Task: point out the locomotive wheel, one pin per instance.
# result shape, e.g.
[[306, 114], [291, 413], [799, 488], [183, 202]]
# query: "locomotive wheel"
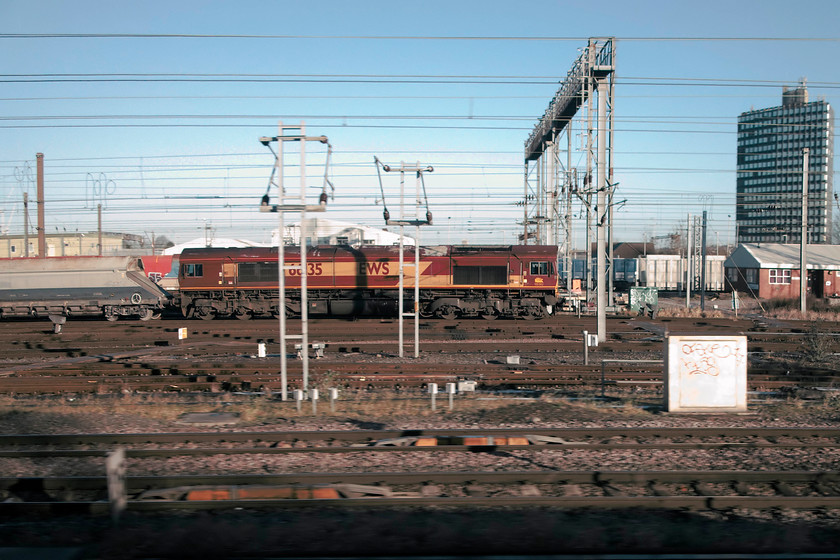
[[146, 314], [275, 313], [533, 313], [489, 315], [205, 313], [111, 317], [448, 313], [243, 314]]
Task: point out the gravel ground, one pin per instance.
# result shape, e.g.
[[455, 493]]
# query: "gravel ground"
[[432, 531]]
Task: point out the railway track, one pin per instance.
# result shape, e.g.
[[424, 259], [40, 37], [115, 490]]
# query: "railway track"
[[590, 439], [25, 339], [692, 490], [250, 375], [219, 356]]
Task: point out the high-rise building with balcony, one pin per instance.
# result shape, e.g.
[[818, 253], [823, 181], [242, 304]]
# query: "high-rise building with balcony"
[[770, 176]]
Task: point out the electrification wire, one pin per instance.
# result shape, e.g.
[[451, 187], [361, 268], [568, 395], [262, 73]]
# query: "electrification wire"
[[636, 119], [523, 38]]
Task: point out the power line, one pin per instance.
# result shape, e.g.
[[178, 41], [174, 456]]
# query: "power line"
[[406, 37], [361, 79]]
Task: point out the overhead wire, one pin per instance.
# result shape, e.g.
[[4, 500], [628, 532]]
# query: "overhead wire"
[[423, 78], [525, 38]]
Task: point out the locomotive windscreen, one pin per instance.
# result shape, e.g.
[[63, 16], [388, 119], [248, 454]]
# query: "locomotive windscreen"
[[258, 272], [480, 275]]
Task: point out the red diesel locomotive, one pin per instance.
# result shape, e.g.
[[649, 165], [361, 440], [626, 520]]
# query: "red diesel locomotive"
[[455, 281]]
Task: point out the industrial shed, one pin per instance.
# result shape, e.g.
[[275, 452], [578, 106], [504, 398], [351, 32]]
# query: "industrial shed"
[[668, 272], [771, 270]]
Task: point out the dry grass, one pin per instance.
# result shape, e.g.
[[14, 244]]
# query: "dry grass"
[[368, 407], [692, 313], [153, 411], [796, 315]]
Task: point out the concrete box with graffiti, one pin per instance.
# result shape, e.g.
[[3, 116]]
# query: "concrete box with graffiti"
[[706, 374]]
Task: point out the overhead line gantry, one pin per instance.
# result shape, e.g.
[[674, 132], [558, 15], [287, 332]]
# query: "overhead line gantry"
[[551, 184]]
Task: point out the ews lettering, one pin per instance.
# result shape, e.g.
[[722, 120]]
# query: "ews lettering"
[[374, 268]]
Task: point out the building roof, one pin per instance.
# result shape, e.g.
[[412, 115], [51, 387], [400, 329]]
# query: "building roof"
[[216, 242], [323, 229], [780, 255]]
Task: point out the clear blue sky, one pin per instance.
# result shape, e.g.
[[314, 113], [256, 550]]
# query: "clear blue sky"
[[162, 131]]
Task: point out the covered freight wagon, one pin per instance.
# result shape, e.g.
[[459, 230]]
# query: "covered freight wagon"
[[73, 286]]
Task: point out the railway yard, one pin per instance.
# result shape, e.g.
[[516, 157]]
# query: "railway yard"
[[537, 452]]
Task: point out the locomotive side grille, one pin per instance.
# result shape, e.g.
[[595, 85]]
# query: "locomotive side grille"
[[480, 275], [258, 272]]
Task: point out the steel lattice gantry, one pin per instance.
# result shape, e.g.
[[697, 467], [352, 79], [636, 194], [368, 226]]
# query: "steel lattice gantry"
[[552, 181]]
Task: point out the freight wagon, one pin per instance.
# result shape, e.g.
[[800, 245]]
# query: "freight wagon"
[[74, 286]]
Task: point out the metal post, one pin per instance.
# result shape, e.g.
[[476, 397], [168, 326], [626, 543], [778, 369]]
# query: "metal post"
[[304, 299], [301, 207], [433, 389], [703, 266], [689, 271], [602, 212], [586, 348], [417, 265], [333, 397], [402, 257], [42, 232], [26, 224], [803, 244], [570, 186], [99, 227], [402, 222], [281, 267], [609, 256]]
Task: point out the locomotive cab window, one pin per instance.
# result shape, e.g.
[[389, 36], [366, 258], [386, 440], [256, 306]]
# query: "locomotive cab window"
[[540, 268], [193, 270]]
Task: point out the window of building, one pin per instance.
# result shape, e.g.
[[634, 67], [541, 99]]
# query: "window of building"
[[779, 276], [751, 274]]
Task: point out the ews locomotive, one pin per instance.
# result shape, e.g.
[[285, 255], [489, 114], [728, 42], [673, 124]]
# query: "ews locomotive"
[[517, 281]]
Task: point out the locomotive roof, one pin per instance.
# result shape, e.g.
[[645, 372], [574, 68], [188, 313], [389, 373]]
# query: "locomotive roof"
[[371, 251]]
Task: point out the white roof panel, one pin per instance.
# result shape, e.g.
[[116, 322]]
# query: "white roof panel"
[[779, 255]]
